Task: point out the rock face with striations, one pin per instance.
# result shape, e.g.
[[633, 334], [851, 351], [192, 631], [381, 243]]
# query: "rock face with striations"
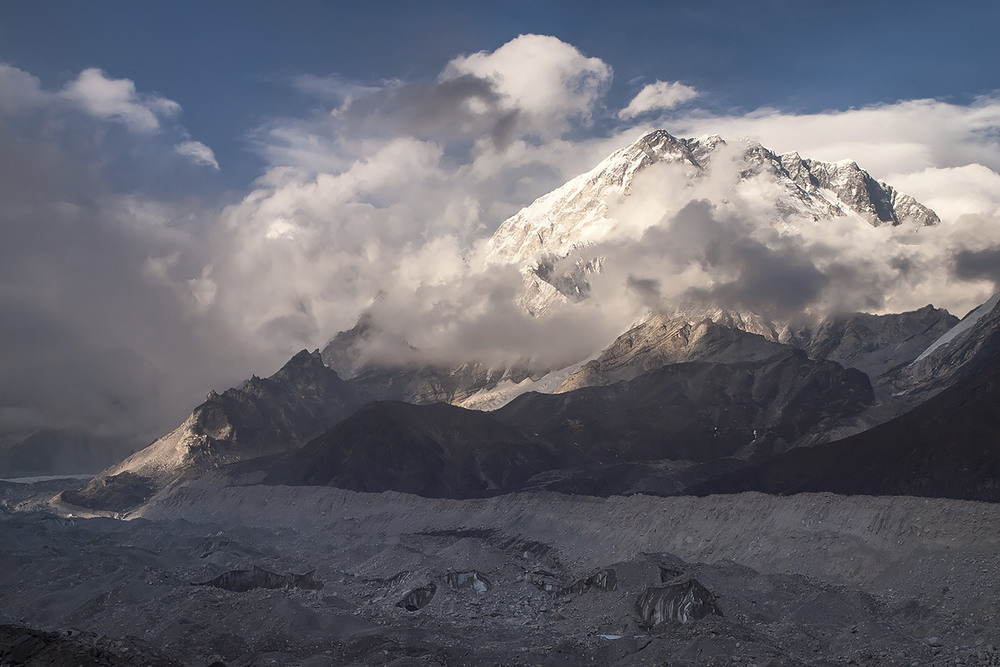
[[683, 601]]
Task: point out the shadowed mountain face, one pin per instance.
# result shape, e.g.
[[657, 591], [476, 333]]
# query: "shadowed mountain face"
[[695, 411], [685, 428], [875, 344], [947, 447], [432, 450], [280, 412], [277, 413]]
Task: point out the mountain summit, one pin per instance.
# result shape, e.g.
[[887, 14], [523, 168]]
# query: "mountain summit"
[[577, 213]]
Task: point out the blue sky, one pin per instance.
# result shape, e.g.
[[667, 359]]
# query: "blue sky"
[[190, 192], [229, 63]]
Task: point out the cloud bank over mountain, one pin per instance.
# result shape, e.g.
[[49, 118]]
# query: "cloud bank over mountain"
[[124, 298]]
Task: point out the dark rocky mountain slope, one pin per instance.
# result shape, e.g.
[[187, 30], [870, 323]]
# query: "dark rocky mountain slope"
[[436, 450], [947, 447], [695, 411]]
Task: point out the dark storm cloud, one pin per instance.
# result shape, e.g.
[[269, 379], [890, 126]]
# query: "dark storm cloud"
[[746, 273], [90, 343], [710, 257], [778, 281], [648, 289], [465, 105], [978, 265]]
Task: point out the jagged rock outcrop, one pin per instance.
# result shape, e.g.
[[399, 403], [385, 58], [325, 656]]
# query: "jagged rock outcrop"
[[411, 382], [681, 601], [263, 416], [418, 598], [661, 340], [941, 363], [605, 579], [576, 213], [876, 201], [874, 344]]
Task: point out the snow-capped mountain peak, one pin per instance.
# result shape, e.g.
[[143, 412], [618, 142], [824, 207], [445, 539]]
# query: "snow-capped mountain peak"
[[577, 214]]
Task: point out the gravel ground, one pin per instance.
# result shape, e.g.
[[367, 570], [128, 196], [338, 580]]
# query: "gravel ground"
[[521, 579]]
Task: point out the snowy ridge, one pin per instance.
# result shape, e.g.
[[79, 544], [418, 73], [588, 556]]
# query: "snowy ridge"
[[967, 323], [577, 213], [508, 390]]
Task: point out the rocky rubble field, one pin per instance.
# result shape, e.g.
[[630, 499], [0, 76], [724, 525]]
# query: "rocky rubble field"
[[314, 576]]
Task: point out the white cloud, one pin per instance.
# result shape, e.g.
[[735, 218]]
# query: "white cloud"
[[542, 77], [885, 139], [332, 87], [658, 96], [93, 276], [317, 247], [952, 192], [21, 91], [101, 99], [198, 153], [117, 99]]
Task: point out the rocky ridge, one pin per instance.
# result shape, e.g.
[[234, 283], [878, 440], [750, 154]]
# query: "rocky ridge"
[[264, 416]]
